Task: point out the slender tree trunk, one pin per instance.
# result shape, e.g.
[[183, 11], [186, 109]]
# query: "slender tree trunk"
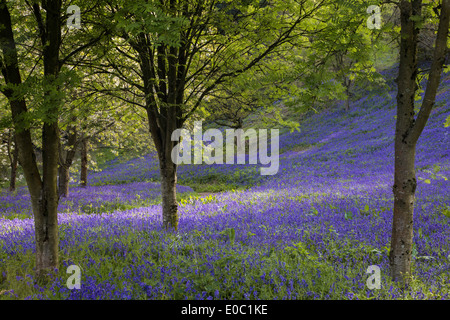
[[13, 177], [163, 123], [402, 230], [404, 176], [63, 182], [13, 154], [348, 84], [169, 194], [46, 225], [84, 162], [347, 103], [409, 128], [167, 165], [66, 159]]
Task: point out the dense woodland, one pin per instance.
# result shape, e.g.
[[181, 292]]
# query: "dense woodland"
[[350, 97]]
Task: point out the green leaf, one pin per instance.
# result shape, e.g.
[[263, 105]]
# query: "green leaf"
[[447, 122], [446, 212], [415, 18], [232, 235]]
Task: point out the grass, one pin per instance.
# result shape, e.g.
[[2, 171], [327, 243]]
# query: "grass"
[[113, 206], [219, 182], [214, 187], [188, 255], [191, 254]]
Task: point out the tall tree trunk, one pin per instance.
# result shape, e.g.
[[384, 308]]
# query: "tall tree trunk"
[[347, 83], [347, 103], [84, 162], [66, 159], [408, 130], [46, 225], [164, 122], [169, 194], [13, 154], [402, 227], [13, 177], [404, 176], [63, 181]]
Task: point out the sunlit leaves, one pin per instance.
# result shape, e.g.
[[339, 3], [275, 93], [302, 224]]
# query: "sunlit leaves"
[[152, 18]]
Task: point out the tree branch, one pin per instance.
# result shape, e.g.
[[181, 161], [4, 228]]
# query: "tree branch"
[[435, 74]]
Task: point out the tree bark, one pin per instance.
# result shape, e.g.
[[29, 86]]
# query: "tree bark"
[[66, 160], [13, 154], [347, 93], [46, 224], [84, 162], [169, 195], [404, 175], [163, 122], [408, 130], [63, 182], [402, 228], [13, 177]]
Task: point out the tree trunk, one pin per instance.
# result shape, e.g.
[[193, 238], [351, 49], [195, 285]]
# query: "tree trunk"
[[13, 159], [409, 128], [163, 122], [169, 195], [347, 83], [63, 182], [402, 227], [66, 159], [404, 176], [13, 178], [84, 162], [46, 222]]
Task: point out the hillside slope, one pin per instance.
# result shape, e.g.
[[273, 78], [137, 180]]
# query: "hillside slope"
[[309, 232]]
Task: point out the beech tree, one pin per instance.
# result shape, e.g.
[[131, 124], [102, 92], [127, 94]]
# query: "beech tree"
[[45, 40], [43, 191], [170, 55], [409, 126]]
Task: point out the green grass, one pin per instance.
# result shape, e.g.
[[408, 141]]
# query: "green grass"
[[113, 206], [220, 182], [188, 253], [187, 256], [214, 187]]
